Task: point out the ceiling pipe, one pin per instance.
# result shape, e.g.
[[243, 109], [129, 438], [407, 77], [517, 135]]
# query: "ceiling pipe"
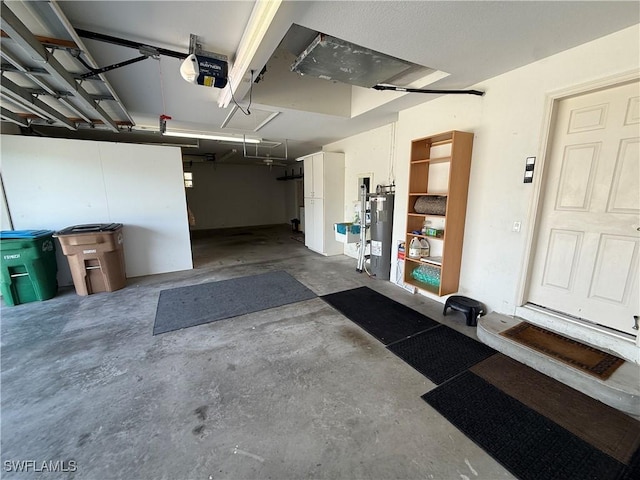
[[23, 37], [395, 88], [76, 38], [23, 97]]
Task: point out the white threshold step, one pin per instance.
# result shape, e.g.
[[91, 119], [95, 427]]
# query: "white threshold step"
[[620, 391]]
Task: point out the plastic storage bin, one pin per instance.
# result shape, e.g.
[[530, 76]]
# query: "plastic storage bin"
[[29, 268], [95, 255], [346, 232]]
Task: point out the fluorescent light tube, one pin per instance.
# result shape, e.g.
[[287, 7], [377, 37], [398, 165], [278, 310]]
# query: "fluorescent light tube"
[[210, 136]]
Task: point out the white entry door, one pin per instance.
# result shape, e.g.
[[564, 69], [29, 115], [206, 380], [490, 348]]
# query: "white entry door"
[[586, 257]]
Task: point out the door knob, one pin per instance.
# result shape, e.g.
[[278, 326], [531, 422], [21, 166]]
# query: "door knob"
[[635, 322]]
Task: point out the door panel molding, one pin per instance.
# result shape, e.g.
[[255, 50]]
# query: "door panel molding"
[[626, 178], [577, 176], [605, 282], [562, 257], [587, 119], [633, 111]]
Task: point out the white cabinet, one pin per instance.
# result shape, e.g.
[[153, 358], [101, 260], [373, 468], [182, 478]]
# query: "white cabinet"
[[313, 219], [323, 201], [314, 172]]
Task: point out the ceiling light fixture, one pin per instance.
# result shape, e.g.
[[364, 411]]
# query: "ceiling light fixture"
[[210, 136], [255, 32]]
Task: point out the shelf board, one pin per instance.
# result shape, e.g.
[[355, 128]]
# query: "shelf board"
[[432, 160], [423, 286], [436, 261], [424, 261], [425, 215], [441, 142], [440, 159], [426, 237], [430, 194]]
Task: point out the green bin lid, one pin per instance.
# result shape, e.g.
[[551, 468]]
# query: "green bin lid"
[[24, 234]]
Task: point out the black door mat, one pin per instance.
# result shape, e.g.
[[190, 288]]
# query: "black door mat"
[[207, 302], [530, 445], [602, 426], [441, 353], [382, 317]]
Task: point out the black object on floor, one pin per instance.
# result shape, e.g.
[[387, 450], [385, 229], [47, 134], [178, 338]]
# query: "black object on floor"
[[384, 318], [207, 302], [528, 444], [471, 308], [441, 353]]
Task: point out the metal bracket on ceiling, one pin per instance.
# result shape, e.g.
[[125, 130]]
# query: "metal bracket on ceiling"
[[146, 52], [195, 48]]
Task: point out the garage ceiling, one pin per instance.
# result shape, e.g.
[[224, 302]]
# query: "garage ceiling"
[[462, 43]]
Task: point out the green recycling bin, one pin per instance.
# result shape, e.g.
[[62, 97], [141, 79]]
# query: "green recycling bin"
[[29, 268]]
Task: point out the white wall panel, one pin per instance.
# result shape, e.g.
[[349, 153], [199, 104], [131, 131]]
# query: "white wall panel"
[[55, 183], [49, 181], [143, 185]]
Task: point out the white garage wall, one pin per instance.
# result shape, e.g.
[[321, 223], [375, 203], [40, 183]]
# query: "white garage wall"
[[5, 218], [227, 195], [366, 154], [54, 183], [508, 123]]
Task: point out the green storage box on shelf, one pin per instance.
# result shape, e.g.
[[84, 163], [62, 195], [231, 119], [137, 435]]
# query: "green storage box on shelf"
[[29, 268]]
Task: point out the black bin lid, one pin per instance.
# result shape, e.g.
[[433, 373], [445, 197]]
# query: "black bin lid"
[[90, 228]]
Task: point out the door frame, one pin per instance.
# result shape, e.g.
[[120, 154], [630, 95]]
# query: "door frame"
[[552, 100]]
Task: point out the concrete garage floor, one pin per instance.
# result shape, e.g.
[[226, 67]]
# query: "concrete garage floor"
[[293, 392]]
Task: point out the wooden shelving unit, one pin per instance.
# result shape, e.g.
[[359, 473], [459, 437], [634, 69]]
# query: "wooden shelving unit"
[[439, 167]]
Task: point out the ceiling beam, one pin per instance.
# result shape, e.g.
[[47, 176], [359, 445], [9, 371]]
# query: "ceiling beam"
[[13, 117], [66, 101], [54, 42], [23, 37], [85, 52], [13, 60], [60, 93], [42, 83], [22, 96], [41, 72]]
